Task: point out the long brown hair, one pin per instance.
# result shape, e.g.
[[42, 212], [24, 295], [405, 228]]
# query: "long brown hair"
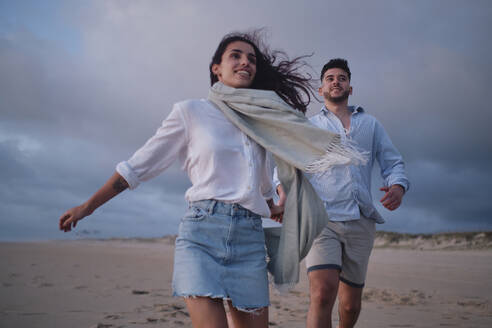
[[283, 77]]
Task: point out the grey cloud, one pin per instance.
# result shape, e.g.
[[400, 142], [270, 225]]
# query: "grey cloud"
[[71, 109], [456, 194], [39, 186]]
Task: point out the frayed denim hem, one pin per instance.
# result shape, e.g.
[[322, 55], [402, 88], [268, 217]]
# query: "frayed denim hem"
[[209, 295], [252, 310], [256, 310]]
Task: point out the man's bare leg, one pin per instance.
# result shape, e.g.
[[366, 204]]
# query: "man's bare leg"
[[349, 305], [323, 288]]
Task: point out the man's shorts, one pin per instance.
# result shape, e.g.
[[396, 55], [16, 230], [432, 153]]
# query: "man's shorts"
[[345, 246]]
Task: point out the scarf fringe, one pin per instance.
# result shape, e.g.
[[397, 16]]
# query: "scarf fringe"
[[281, 289], [338, 154]]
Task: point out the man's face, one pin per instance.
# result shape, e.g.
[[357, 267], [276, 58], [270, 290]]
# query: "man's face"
[[335, 86]]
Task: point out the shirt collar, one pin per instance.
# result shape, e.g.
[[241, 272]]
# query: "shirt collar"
[[354, 109]]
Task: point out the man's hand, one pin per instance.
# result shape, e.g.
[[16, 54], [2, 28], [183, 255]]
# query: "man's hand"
[[392, 197], [277, 213]]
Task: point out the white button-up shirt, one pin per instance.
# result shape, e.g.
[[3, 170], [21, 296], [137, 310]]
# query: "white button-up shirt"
[[346, 190], [221, 161]]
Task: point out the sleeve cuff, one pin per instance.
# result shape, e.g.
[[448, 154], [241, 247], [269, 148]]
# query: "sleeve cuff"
[[269, 194], [403, 183], [126, 171], [275, 181]]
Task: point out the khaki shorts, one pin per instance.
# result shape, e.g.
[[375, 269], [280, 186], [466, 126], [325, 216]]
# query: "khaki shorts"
[[345, 246]]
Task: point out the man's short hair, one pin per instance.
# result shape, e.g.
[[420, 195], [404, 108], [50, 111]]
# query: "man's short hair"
[[336, 63]]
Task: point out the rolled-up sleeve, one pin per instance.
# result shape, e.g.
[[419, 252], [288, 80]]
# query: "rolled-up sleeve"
[[158, 153], [276, 180], [389, 159]]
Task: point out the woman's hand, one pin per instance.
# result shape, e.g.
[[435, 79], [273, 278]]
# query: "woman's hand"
[[277, 213], [277, 210], [70, 218], [111, 188]]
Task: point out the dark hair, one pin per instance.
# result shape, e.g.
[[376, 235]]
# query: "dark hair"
[[336, 63], [283, 78]]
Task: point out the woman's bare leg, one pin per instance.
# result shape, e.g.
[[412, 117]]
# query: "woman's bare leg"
[[243, 319], [206, 312]]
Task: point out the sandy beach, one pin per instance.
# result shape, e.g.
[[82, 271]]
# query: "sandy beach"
[[127, 283]]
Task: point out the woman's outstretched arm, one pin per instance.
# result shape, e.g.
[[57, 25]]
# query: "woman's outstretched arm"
[[111, 188]]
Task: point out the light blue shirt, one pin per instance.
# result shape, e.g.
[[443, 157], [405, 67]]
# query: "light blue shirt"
[[346, 190]]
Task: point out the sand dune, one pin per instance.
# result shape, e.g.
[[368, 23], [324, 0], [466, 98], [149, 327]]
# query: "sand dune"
[[127, 283], [441, 241]]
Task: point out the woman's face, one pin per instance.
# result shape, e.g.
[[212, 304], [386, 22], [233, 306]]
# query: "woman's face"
[[237, 68]]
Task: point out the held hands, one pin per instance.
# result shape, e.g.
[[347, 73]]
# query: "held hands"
[[391, 200], [277, 210], [70, 218], [392, 197], [277, 213]]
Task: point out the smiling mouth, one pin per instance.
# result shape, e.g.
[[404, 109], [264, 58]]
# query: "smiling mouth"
[[244, 74]]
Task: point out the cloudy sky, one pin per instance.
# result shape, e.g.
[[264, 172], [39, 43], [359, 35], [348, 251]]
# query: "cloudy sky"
[[83, 84]]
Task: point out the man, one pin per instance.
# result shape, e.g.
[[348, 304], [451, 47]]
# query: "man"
[[337, 261]]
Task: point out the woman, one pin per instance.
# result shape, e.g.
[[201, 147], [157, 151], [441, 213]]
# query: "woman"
[[220, 253]]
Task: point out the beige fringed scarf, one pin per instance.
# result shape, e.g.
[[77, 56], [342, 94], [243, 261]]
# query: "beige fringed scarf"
[[296, 145]]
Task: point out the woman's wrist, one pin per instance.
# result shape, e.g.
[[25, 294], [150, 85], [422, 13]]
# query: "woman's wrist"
[[87, 208]]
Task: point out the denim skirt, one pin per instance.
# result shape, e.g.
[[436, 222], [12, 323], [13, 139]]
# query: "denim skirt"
[[220, 253]]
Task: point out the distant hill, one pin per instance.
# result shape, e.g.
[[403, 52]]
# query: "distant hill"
[[439, 241], [385, 239]]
